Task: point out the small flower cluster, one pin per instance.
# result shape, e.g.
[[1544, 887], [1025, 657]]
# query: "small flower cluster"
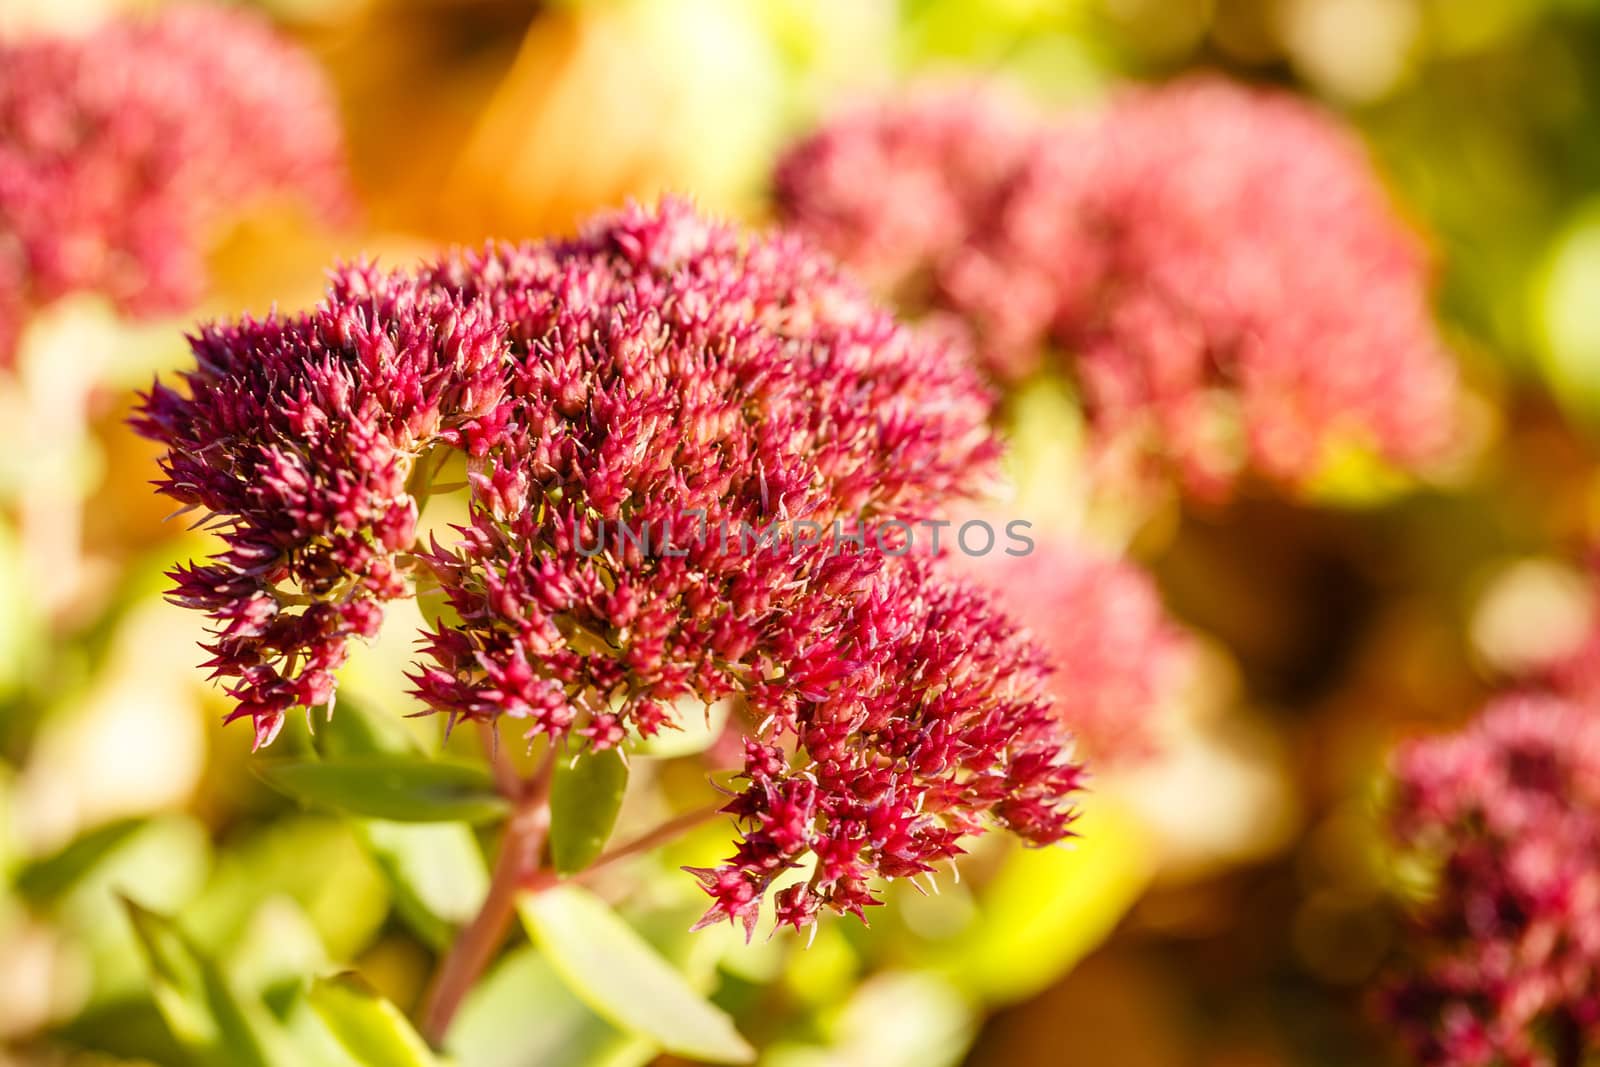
[[919, 713], [1226, 279], [1118, 659], [121, 148], [657, 370], [300, 435], [1505, 956]]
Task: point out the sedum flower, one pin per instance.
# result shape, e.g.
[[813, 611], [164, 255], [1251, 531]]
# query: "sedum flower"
[[1117, 658], [897, 188], [1504, 960], [298, 436], [919, 713], [646, 412], [121, 149], [1217, 268]]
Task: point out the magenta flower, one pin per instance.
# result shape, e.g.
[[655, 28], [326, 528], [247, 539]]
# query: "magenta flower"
[[675, 379], [919, 713], [120, 150], [299, 435], [1117, 659], [1218, 268], [1504, 960]]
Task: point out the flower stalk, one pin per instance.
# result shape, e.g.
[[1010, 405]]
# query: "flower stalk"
[[475, 947]]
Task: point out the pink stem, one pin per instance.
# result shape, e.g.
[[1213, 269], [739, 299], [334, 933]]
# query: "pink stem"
[[540, 880], [478, 942]]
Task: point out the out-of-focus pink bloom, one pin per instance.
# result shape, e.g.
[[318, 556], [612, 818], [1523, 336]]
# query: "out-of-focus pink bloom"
[[121, 150], [895, 189], [1504, 959], [689, 384], [1117, 658], [1218, 268]]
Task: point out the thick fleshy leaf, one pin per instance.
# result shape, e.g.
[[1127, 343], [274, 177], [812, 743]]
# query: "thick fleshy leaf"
[[436, 873], [397, 787], [584, 800], [46, 878], [370, 1028], [204, 1012], [357, 729], [616, 972], [494, 1028], [162, 864]]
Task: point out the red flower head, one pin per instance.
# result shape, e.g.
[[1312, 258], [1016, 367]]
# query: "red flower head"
[[1224, 276], [1504, 963], [638, 408], [900, 728], [121, 149]]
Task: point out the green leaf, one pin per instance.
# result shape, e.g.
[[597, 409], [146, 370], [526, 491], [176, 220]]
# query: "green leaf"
[[163, 857], [370, 1028], [356, 729], [584, 800], [400, 788], [626, 981], [45, 879], [494, 1028], [435, 870], [313, 860], [203, 1011]]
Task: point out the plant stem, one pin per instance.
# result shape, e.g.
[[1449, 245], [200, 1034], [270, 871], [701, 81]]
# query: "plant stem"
[[538, 880], [477, 943]]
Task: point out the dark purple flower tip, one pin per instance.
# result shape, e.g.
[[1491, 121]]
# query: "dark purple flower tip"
[[1501, 961]]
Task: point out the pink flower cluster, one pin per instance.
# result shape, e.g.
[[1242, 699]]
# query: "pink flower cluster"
[[897, 189], [119, 150], [1117, 658], [659, 370], [919, 712], [1217, 268], [1504, 964]]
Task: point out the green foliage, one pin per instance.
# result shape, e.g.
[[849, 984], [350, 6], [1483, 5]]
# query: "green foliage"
[[401, 788], [624, 979], [436, 872], [214, 1023], [492, 1029], [316, 862], [1045, 909], [585, 796], [369, 1027]]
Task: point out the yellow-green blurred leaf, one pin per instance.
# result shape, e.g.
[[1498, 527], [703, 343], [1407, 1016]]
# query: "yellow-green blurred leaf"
[[1047, 908], [370, 1028], [214, 1022], [618, 974]]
